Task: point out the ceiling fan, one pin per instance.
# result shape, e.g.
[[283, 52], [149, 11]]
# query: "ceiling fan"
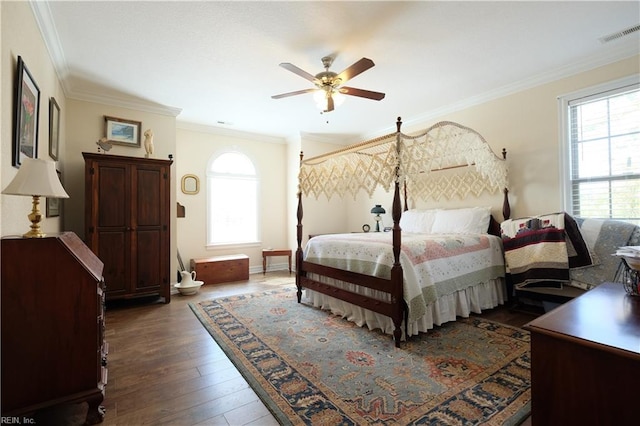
[[329, 84]]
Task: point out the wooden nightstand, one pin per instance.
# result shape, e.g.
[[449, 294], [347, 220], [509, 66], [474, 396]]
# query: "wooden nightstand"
[[274, 252]]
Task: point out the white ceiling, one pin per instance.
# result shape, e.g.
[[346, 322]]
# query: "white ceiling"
[[217, 62]]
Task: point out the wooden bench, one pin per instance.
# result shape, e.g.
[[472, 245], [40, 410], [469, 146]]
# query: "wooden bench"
[[221, 269]]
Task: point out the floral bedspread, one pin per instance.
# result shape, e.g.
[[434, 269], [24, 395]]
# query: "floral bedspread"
[[433, 264]]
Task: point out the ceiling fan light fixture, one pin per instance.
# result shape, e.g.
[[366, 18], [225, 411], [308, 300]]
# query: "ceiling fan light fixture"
[[321, 98]]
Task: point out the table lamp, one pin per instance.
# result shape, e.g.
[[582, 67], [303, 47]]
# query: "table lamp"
[[378, 210], [36, 178]]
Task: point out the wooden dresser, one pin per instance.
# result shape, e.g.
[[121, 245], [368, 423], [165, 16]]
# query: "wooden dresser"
[[585, 360], [53, 347], [127, 223]]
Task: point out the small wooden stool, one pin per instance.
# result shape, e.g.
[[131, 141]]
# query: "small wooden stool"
[[274, 252]]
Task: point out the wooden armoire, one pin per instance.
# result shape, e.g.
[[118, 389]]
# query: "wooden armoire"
[[127, 223]]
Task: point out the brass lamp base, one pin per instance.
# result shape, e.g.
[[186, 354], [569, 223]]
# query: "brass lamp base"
[[35, 217]]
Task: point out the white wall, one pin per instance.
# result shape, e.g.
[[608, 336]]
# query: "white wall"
[[195, 147], [21, 37], [85, 125], [322, 215], [527, 125]]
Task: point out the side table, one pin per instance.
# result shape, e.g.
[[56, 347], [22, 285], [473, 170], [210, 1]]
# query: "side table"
[[274, 252], [585, 360]]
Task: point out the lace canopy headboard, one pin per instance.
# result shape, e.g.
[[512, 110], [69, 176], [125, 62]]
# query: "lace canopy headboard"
[[412, 161]]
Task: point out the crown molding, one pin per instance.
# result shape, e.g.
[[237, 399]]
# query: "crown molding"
[[49, 32], [619, 53], [220, 131], [125, 103]]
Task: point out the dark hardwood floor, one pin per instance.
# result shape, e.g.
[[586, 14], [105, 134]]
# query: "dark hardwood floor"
[[165, 368]]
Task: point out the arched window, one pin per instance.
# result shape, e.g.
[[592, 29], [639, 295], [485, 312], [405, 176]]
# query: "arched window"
[[232, 200]]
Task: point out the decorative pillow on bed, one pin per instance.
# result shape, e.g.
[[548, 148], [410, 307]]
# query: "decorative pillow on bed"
[[472, 220], [417, 220]]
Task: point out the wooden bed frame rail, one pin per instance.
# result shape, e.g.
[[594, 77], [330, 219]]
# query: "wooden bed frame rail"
[[396, 307]]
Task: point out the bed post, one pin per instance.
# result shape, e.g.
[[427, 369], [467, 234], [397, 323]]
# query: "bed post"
[[299, 237], [406, 205], [397, 294]]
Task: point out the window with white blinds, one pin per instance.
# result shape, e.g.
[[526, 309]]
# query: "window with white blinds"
[[232, 200], [603, 140]]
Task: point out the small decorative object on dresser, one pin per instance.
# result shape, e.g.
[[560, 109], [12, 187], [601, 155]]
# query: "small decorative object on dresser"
[[377, 210], [53, 346], [148, 142], [103, 144]]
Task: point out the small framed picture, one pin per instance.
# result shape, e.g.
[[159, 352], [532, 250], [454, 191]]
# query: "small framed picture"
[[54, 128], [26, 115], [122, 132], [54, 205]]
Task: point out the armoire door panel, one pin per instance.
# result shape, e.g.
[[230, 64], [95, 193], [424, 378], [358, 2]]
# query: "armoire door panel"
[[148, 197], [113, 188], [149, 259]]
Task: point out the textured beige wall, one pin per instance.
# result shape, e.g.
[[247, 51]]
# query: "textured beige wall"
[[21, 37], [527, 125], [195, 148], [85, 125]]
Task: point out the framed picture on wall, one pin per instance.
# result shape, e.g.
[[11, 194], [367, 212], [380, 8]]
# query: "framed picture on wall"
[[122, 132], [26, 115], [54, 128], [54, 205]]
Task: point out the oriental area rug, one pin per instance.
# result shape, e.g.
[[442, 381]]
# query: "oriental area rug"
[[311, 367]]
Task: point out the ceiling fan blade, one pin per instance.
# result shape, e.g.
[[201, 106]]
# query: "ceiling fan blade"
[[359, 67], [302, 73], [298, 92], [362, 93]]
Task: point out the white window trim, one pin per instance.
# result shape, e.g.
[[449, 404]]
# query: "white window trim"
[[564, 132], [248, 244]]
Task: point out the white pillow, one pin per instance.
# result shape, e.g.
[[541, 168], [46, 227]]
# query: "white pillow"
[[417, 220], [472, 220]]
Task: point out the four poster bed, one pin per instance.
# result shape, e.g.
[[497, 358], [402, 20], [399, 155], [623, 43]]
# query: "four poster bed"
[[444, 263]]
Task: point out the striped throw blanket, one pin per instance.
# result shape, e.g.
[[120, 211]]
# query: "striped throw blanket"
[[540, 250]]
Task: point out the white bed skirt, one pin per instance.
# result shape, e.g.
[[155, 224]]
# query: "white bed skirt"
[[459, 304]]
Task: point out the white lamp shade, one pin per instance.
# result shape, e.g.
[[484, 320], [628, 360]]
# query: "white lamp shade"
[[36, 177]]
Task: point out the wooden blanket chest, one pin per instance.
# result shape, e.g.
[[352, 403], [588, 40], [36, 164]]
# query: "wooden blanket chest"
[[221, 269]]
